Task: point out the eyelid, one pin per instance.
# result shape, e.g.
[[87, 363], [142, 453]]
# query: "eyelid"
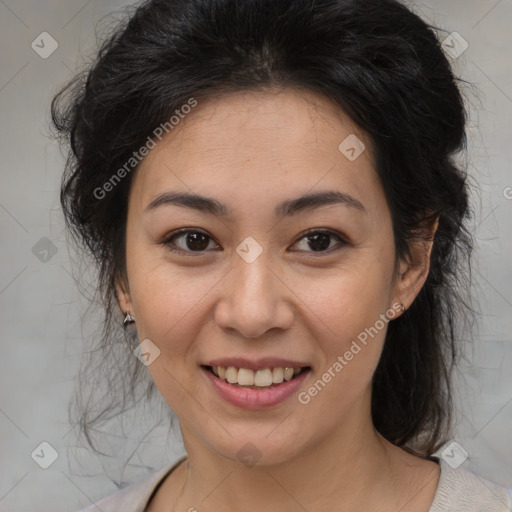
[[166, 241], [342, 240]]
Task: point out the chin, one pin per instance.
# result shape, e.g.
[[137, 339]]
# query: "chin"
[[259, 450]]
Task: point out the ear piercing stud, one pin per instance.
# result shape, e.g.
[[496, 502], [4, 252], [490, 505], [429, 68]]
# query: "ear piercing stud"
[[128, 319]]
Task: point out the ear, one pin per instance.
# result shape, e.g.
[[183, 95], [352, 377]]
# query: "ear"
[[413, 273], [123, 295]]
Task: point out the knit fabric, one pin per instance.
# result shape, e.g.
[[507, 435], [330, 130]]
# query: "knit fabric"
[[458, 491]]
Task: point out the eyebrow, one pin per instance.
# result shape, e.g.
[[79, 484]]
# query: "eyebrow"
[[287, 208]]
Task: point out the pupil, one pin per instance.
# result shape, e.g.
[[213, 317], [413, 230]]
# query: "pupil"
[[324, 239], [318, 242], [195, 243]]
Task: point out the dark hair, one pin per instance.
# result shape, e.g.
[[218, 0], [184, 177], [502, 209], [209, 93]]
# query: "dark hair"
[[376, 59]]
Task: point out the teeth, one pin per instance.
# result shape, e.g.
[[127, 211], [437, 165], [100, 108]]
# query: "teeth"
[[231, 374], [277, 375], [260, 378], [288, 373], [263, 378], [245, 377]]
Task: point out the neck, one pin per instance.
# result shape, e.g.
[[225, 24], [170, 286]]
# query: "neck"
[[356, 470]]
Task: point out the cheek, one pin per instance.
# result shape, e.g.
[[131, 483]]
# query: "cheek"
[[164, 296], [348, 300], [350, 338], [350, 304], [169, 303], [167, 298]]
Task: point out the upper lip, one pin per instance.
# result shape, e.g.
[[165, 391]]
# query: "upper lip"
[[256, 364]]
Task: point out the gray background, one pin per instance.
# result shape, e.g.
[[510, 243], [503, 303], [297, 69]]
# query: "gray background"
[[40, 307]]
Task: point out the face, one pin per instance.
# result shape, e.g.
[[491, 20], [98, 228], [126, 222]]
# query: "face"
[[252, 278]]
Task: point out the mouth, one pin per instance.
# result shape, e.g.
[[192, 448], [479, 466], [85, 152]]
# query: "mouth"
[[255, 383], [258, 379]]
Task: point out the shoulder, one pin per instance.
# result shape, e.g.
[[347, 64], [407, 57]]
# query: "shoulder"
[[135, 497], [463, 491]]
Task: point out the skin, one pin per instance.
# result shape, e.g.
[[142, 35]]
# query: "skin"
[[250, 151]]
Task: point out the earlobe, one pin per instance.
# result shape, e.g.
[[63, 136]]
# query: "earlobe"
[[125, 303], [128, 319]]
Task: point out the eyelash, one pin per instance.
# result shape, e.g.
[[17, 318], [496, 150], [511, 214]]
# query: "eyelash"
[[167, 242]]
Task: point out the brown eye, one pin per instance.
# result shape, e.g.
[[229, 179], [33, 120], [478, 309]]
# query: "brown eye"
[[191, 241], [320, 241], [194, 241]]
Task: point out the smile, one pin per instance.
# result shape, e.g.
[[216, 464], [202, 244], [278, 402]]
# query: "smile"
[[262, 378], [255, 388]]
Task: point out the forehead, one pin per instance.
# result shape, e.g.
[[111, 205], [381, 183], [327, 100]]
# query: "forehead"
[[249, 147], [279, 120]]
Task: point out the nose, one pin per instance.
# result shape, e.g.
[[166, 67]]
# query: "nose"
[[255, 298]]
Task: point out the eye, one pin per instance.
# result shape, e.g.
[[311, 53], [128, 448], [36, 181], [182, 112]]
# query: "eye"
[[193, 241], [320, 240]]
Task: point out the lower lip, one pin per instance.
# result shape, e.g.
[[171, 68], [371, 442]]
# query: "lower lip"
[[249, 398]]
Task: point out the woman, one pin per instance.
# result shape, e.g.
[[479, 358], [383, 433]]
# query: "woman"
[[270, 195]]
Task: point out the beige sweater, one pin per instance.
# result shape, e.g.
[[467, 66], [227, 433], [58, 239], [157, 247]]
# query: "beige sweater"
[[458, 491]]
